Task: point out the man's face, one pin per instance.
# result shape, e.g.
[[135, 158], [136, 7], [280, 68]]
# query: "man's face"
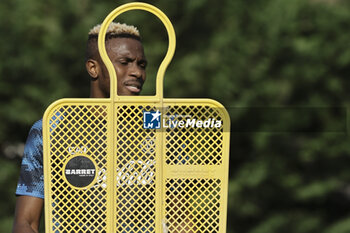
[[130, 63]]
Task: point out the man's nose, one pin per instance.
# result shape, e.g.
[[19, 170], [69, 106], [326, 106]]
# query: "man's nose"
[[136, 70]]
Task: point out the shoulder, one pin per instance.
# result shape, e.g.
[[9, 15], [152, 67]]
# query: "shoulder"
[[37, 126], [33, 148], [31, 181], [36, 132]]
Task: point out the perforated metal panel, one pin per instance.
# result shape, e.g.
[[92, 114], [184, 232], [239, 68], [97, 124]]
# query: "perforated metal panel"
[[77, 130], [193, 205], [135, 192], [202, 146], [194, 185], [109, 168]]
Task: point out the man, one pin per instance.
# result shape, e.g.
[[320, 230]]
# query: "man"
[[126, 52]]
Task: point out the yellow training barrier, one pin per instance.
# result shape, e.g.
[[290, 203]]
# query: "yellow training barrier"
[[136, 163]]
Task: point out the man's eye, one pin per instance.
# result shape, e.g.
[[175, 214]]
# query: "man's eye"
[[143, 65]]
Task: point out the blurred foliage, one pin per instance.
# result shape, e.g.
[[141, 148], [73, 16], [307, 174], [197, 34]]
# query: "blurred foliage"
[[249, 55]]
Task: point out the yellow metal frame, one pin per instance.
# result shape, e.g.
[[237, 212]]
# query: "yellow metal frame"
[[178, 175], [169, 55]]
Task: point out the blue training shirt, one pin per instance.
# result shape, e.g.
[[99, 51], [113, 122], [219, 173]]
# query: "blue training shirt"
[[31, 179]]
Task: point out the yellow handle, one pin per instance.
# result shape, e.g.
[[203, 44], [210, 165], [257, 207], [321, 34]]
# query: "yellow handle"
[[169, 55]]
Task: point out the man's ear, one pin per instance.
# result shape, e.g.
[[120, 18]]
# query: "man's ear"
[[93, 68]]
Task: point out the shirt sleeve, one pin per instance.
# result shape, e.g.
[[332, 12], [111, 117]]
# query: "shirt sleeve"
[[31, 179]]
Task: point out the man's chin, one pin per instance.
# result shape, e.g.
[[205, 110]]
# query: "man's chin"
[[129, 93]]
